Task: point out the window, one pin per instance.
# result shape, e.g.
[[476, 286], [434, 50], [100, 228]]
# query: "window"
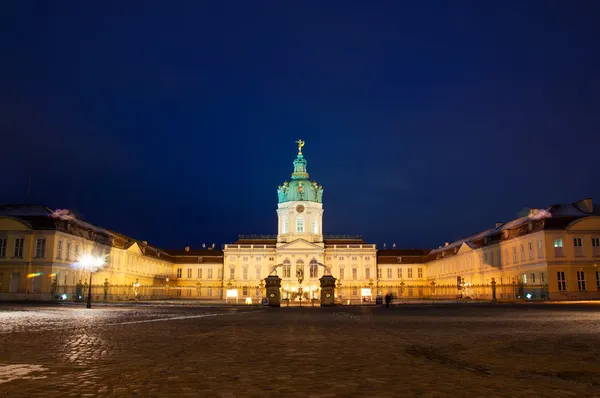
[[220, 275], [179, 272], [40, 248], [562, 282], [271, 258], [258, 258], [189, 273], [598, 280], [314, 227], [354, 258], [257, 272], [300, 224], [354, 273], [3, 242], [209, 273], [530, 245], [245, 273], [340, 258], [199, 273], [59, 249], [506, 256], [577, 242], [541, 277], [341, 273], [558, 243], [18, 252], [492, 258], [69, 244], [522, 253], [367, 258], [410, 272], [209, 291], [287, 269], [389, 273], [514, 255], [76, 251], [580, 280], [367, 273], [539, 249], [231, 273], [245, 258], [532, 278], [355, 291], [485, 258], [596, 242], [420, 272], [525, 278], [314, 269], [285, 225], [399, 273], [378, 273], [245, 291]]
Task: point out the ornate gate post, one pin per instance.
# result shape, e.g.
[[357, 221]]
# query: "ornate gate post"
[[493, 290], [327, 291], [273, 284]]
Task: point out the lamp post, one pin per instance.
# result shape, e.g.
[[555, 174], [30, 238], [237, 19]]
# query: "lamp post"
[[92, 264], [300, 276]]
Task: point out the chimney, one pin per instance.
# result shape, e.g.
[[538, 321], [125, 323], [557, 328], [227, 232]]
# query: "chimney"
[[145, 242], [586, 205], [213, 245], [204, 245], [187, 248], [394, 245], [499, 224], [384, 246], [446, 244]]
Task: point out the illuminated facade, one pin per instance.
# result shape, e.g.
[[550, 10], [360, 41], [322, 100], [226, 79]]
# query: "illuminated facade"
[[550, 253]]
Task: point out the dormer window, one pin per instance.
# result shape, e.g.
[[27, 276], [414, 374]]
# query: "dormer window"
[[399, 259]]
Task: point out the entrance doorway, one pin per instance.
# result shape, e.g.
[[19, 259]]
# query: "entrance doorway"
[[15, 281]]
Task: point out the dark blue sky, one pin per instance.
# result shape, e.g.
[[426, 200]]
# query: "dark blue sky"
[[174, 122]]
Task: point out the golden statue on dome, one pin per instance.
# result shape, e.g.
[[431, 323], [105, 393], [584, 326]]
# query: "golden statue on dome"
[[300, 145]]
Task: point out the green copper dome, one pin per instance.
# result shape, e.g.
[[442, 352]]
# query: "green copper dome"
[[300, 187]]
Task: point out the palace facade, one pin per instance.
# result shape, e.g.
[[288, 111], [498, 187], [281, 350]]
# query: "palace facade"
[[551, 253]]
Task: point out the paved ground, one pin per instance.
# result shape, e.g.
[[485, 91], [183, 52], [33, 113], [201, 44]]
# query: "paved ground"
[[427, 350]]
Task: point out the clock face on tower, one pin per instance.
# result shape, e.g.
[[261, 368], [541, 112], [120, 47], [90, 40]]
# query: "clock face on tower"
[[300, 208]]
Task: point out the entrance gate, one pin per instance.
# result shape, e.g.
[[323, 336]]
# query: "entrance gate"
[[273, 287]]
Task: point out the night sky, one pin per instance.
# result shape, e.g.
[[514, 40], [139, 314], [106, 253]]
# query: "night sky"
[[174, 122]]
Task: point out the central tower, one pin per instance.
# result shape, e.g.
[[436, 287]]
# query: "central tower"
[[300, 207]]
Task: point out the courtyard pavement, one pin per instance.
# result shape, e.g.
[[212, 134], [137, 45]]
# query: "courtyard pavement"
[[429, 350]]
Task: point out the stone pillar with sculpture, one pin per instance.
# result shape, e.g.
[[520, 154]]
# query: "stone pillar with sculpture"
[[327, 290], [273, 286], [106, 284]]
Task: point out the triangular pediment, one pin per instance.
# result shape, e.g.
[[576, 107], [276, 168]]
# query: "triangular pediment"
[[135, 249], [464, 248], [300, 244]]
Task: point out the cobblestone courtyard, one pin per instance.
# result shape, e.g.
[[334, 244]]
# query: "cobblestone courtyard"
[[427, 350]]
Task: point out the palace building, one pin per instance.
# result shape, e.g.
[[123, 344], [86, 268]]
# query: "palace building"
[[551, 253]]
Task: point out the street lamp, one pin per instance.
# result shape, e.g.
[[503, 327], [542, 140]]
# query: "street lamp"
[[92, 264]]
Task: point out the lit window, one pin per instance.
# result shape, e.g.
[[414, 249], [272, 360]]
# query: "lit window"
[[315, 227], [314, 269], [562, 282], [389, 273], [420, 272], [285, 225], [580, 280], [300, 224], [245, 291], [378, 273], [558, 243], [399, 273], [287, 269], [179, 272]]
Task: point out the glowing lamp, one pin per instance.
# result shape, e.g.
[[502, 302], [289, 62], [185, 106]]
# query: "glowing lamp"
[[365, 292], [248, 300]]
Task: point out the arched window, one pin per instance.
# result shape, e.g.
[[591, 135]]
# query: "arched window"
[[285, 225], [287, 269], [314, 268], [300, 224], [315, 229], [341, 272], [299, 266]]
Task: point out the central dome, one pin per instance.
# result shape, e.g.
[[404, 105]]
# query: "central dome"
[[300, 187]]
